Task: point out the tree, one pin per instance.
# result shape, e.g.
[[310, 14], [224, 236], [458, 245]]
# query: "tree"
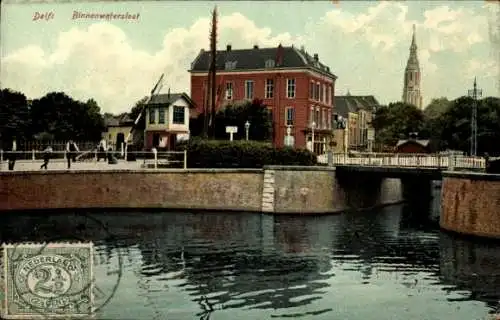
[[453, 127], [437, 107], [64, 118], [14, 116], [396, 121], [255, 112]]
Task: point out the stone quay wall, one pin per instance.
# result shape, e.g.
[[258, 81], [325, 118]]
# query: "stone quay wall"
[[293, 190], [470, 203]]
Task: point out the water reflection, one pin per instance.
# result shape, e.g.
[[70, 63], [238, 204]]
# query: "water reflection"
[[215, 265]]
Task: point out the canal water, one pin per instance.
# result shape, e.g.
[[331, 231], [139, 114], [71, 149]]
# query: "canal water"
[[389, 263]]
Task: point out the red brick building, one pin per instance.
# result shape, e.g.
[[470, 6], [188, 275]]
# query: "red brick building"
[[296, 86]]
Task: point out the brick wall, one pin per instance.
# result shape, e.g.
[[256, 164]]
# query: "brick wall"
[[286, 190], [301, 103], [208, 189], [471, 204]]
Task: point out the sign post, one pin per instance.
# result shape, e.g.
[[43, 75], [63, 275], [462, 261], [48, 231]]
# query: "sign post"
[[370, 137], [231, 131]]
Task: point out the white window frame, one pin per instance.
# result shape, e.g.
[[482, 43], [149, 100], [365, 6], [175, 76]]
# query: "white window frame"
[[249, 93], [288, 121], [291, 87], [269, 89], [229, 90], [323, 118], [317, 115], [316, 91]]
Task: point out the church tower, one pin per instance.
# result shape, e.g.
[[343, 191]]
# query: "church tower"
[[411, 87]]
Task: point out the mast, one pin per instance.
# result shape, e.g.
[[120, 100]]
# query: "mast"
[[212, 72]]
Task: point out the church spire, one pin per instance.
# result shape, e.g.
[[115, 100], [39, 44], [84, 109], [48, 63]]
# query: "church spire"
[[411, 90]]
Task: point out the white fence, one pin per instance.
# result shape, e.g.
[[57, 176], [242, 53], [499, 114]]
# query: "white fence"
[[406, 160], [30, 160]]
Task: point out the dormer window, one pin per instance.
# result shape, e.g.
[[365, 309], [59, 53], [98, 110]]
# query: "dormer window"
[[230, 65], [270, 63]]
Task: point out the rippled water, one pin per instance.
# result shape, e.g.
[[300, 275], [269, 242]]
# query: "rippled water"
[[391, 263]]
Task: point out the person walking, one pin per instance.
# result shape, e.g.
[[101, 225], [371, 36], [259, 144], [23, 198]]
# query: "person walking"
[[101, 150], [12, 156], [47, 153], [71, 150]]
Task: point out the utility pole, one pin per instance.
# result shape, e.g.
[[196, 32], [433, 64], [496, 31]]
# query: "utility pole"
[[475, 93], [212, 72]]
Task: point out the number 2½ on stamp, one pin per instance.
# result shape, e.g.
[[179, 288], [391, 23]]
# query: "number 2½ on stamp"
[[48, 280]]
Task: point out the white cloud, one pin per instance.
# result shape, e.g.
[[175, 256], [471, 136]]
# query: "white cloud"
[[99, 62], [454, 29], [485, 68], [368, 51]]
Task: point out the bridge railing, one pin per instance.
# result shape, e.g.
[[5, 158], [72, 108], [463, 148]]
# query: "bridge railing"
[[142, 159], [405, 160]]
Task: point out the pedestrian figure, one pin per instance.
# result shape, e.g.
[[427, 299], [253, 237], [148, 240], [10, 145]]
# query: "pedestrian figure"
[[101, 150], [487, 162], [71, 150], [47, 153], [12, 154]]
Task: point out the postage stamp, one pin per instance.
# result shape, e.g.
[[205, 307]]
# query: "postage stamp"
[[47, 280]]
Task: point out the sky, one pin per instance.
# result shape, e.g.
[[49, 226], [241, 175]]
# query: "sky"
[[365, 44]]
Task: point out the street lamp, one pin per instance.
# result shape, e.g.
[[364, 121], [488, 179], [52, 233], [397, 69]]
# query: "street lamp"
[[247, 127], [313, 126]]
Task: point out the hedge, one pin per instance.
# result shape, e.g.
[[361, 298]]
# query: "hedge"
[[242, 154]]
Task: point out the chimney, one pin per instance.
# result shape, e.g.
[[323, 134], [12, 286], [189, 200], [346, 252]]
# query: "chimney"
[[228, 47], [255, 46], [316, 57]]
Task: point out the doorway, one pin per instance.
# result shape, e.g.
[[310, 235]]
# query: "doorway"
[[156, 140], [120, 138]]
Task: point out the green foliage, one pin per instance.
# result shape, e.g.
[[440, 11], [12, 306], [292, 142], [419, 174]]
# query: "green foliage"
[[63, 117], [14, 115], [437, 107], [53, 116], [242, 154], [396, 121], [453, 128], [237, 115], [446, 123]]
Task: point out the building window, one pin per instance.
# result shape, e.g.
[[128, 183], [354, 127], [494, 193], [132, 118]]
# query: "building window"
[[311, 90], [311, 116], [152, 114], [269, 88], [161, 115], [320, 94], [324, 93], [317, 118], [323, 118], [229, 90], [249, 89], [329, 95], [290, 88], [230, 65], [270, 63], [289, 116], [178, 115], [316, 92]]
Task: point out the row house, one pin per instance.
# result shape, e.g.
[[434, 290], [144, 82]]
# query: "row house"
[[358, 112], [295, 86]]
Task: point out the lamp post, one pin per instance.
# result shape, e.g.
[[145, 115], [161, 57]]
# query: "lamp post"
[[288, 136], [313, 126], [247, 127]]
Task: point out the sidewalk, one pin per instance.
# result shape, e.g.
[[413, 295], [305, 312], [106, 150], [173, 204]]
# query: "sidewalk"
[[58, 165]]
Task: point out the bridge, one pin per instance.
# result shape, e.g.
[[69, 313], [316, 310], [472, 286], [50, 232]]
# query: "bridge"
[[397, 165]]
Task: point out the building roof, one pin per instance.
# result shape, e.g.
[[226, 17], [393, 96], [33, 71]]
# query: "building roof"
[[346, 104], [169, 98], [423, 143], [260, 58], [117, 121]]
